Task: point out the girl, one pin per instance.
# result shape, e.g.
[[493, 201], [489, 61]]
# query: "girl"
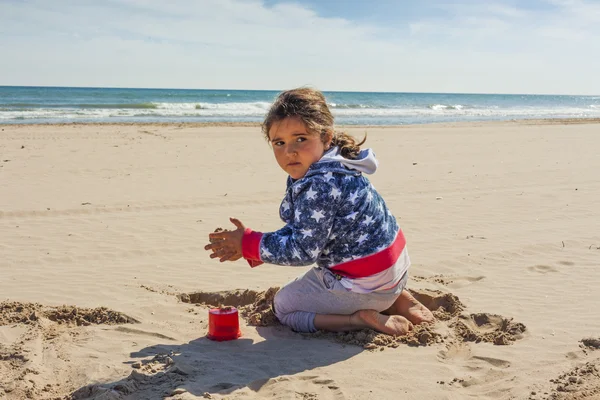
[[335, 218]]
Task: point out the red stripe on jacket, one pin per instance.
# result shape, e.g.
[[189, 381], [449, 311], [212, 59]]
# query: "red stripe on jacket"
[[374, 263]]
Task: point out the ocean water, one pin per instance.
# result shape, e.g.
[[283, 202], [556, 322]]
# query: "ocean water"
[[20, 105]]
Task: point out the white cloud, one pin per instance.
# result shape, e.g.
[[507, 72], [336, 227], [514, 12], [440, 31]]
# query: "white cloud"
[[472, 47]]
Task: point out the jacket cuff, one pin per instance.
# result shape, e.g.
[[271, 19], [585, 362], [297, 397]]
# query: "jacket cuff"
[[251, 247]]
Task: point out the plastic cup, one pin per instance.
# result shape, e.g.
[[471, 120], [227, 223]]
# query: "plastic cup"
[[223, 324]]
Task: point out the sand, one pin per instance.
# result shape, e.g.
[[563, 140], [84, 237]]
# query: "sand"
[[105, 286]]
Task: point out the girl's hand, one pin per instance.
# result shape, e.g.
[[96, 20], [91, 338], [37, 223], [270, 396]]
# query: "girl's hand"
[[227, 246]]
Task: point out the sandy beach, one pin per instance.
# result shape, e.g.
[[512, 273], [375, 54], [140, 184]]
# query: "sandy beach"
[[105, 285]]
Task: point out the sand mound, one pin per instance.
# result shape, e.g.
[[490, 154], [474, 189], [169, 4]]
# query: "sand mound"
[[233, 298], [157, 376], [87, 316], [260, 311], [580, 383], [255, 307], [488, 328], [369, 339], [27, 313], [443, 305], [591, 343], [15, 313]]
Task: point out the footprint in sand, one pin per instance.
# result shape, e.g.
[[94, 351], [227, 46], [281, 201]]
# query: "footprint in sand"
[[451, 281], [490, 328], [291, 387], [591, 343], [485, 373], [542, 269], [463, 281], [567, 263], [496, 362], [460, 351], [456, 351]]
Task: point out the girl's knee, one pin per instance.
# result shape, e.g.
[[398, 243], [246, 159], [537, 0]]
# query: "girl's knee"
[[281, 303], [285, 308]]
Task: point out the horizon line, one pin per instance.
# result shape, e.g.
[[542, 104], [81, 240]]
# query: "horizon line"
[[279, 90]]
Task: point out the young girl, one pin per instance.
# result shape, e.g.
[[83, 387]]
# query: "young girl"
[[335, 218]]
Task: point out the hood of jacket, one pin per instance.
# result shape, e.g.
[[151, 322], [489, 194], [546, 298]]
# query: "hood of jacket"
[[332, 161]]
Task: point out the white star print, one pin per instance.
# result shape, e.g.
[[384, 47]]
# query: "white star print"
[[335, 193], [353, 197], [368, 221], [314, 252], [329, 176], [285, 205], [369, 196], [311, 194], [307, 233], [283, 240], [317, 216], [346, 259], [266, 253], [295, 254], [362, 238], [298, 214], [352, 216]]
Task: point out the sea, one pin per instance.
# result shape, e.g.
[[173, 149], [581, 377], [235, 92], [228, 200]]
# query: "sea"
[[34, 105]]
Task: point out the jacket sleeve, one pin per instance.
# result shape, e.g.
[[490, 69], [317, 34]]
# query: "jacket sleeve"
[[301, 241]]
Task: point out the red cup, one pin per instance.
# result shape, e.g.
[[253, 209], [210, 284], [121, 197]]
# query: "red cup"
[[223, 324]]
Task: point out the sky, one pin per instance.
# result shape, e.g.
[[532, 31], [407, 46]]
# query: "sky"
[[469, 46]]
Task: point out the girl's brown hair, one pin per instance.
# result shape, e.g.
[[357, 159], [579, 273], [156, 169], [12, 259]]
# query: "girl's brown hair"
[[311, 107]]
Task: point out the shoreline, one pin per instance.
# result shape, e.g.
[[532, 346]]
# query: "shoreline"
[[536, 121]]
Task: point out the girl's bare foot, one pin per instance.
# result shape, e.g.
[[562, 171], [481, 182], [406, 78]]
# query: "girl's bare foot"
[[409, 307], [390, 324]]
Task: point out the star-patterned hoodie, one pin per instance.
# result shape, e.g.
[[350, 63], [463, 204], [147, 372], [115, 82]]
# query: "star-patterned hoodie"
[[335, 218]]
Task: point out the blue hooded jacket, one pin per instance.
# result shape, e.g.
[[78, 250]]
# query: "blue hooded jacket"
[[333, 215]]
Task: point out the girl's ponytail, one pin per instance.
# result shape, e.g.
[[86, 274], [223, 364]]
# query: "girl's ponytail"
[[347, 144]]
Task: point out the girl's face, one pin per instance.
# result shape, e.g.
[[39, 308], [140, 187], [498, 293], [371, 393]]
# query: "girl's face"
[[295, 148]]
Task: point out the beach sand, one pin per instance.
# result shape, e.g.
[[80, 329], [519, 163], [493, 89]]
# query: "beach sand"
[[105, 285]]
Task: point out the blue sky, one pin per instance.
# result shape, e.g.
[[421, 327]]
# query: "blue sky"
[[500, 46]]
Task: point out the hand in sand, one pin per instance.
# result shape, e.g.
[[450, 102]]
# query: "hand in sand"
[[227, 245]]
